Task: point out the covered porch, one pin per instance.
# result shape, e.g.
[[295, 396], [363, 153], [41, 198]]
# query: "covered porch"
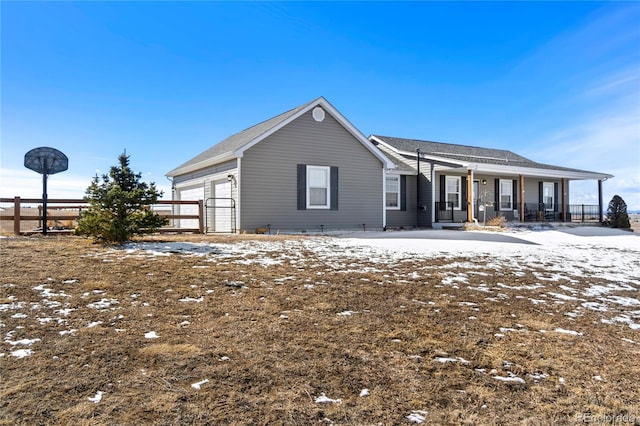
[[477, 195]]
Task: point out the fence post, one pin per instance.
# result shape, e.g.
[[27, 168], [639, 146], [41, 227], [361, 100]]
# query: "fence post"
[[201, 216], [16, 215], [582, 212]]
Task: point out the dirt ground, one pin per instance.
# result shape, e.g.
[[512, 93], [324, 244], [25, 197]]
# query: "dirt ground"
[[205, 334]]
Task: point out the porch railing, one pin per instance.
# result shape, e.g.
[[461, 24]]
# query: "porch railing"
[[583, 213], [444, 211], [541, 212]]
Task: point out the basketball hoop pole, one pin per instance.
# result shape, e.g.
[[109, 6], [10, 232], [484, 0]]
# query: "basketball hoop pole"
[[44, 197], [46, 161]]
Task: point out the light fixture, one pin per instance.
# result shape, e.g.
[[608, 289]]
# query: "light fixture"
[[484, 181]]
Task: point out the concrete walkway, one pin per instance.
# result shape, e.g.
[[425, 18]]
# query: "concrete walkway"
[[506, 236], [442, 234]]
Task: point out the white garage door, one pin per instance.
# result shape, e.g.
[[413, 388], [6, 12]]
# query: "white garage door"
[[222, 207], [189, 194]]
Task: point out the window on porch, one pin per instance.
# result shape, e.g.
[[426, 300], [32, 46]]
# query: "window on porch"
[[548, 196], [453, 191], [506, 194]]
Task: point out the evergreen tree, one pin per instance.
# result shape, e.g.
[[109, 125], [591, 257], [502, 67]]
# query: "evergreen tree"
[[119, 206], [617, 216]]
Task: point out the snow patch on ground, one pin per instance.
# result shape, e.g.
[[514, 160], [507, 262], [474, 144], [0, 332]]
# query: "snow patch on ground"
[[324, 399], [97, 397], [417, 416], [199, 384]]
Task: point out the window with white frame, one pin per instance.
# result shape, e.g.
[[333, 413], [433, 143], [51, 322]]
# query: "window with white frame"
[[453, 191], [318, 187], [547, 195], [506, 194], [392, 189]]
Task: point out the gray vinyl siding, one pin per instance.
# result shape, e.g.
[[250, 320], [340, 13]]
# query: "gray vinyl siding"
[[412, 216], [459, 215], [532, 195], [405, 218], [531, 191], [486, 197], [269, 179], [426, 196]]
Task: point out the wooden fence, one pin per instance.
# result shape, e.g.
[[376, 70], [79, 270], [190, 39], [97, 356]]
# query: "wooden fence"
[[73, 207]]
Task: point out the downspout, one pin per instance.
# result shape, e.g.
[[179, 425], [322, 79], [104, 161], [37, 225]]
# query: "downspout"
[[418, 190], [173, 197], [384, 199], [238, 203], [432, 176]]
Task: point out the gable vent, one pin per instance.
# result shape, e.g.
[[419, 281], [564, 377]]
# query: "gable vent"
[[318, 114]]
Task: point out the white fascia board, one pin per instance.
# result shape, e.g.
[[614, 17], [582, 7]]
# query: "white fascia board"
[[506, 169], [380, 141], [531, 171], [422, 157], [201, 165], [439, 159], [321, 101], [396, 172]]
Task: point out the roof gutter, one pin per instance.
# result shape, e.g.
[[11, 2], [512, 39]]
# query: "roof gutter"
[[539, 172]]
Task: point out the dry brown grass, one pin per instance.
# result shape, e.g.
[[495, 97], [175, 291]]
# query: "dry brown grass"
[[269, 343]]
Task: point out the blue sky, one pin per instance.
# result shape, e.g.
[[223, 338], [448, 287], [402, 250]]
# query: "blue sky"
[[556, 82]]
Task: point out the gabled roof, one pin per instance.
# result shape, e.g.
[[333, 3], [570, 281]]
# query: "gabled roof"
[[486, 159], [235, 145]]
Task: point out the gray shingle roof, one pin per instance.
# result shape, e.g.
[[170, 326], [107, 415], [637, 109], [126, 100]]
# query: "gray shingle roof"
[[240, 139], [471, 154]]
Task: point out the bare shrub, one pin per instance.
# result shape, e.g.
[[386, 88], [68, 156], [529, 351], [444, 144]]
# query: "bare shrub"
[[498, 220]]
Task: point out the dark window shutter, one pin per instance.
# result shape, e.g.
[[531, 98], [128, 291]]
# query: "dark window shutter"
[[334, 188], [302, 186], [443, 192], [540, 193], [403, 193], [496, 194], [463, 193], [556, 200], [515, 194]]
